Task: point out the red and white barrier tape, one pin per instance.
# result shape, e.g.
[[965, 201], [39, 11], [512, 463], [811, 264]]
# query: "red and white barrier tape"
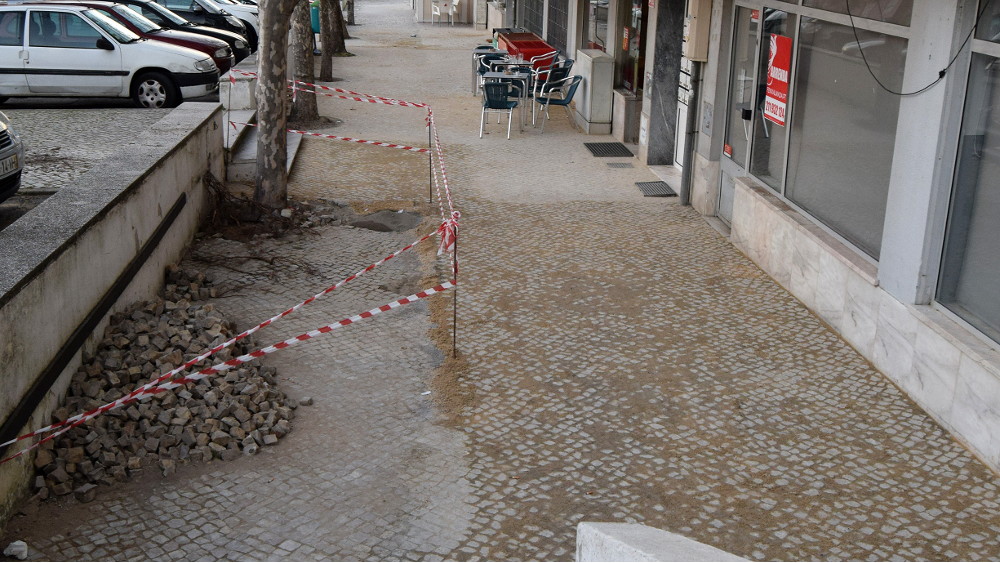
[[439, 152], [444, 230], [356, 96], [349, 139], [229, 364]]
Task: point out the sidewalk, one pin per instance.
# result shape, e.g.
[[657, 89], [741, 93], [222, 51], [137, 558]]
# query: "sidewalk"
[[619, 361]]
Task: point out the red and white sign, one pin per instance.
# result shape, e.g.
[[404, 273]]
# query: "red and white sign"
[[779, 67], [755, 16]]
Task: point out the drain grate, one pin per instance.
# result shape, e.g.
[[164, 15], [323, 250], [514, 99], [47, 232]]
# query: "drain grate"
[[655, 189], [608, 149], [620, 165]]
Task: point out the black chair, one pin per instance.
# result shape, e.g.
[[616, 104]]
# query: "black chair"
[[496, 99], [483, 64], [556, 75], [559, 94]]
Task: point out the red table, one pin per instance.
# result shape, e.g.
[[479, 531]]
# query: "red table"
[[525, 45]]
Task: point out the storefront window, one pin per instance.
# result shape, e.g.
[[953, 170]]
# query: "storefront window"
[[844, 128], [989, 24], [891, 11], [741, 87], [971, 266], [634, 46], [595, 25], [767, 155]]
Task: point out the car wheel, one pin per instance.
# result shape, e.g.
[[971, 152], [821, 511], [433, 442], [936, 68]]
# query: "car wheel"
[[154, 90]]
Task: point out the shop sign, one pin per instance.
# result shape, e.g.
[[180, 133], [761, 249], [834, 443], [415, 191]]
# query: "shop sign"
[[755, 16], [779, 66]]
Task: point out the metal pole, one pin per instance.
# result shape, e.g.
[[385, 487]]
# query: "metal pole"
[[430, 164], [454, 309], [691, 135]]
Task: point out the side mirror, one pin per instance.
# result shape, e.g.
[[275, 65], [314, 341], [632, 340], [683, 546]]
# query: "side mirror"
[[103, 43]]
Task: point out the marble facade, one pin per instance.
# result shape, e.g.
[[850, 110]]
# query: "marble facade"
[[943, 366]]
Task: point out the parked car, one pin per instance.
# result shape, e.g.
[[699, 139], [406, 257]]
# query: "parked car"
[[63, 50], [207, 12], [247, 13], [136, 23], [11, 158], [165, 18]]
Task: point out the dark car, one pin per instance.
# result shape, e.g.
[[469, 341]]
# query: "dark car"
[[167, 19], [207, 12], [215, 48]]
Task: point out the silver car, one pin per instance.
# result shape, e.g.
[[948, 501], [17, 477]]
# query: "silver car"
[[11, 159]]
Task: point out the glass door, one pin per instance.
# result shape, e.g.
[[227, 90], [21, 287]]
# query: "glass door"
[[742, 106]]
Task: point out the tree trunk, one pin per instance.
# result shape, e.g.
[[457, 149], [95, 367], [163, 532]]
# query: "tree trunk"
[[271, 188], [304, 107], [341, 23], [326, 38], [350, 12]]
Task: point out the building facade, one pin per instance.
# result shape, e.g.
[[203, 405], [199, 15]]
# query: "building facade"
[[846, 147]]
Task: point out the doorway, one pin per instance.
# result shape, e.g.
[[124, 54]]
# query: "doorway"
[[740, 107]]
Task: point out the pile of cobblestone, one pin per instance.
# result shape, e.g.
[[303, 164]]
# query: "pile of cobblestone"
[[220, 417]]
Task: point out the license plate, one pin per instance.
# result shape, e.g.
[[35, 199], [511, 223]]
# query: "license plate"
[[8, 164]]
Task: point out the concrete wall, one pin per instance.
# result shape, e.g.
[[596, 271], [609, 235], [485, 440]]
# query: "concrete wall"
[[946, 369], [58, 260]]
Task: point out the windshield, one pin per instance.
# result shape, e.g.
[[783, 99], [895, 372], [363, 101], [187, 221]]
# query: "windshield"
[[158, 14], [113, 28], [210, 6], [140, 22]]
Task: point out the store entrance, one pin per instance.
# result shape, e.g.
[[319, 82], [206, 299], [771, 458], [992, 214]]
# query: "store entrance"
[[741, 107], [756, 113]]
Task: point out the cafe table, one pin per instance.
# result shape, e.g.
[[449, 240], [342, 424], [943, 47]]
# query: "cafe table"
[[476, 53]]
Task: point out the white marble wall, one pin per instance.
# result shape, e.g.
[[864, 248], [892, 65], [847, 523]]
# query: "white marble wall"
[[945, 368]]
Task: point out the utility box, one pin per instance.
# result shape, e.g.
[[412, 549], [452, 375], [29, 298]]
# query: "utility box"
[[697, 28], [594, 96]]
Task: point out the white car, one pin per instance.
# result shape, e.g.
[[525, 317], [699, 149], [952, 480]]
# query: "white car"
[[73, 51], [11, 159]]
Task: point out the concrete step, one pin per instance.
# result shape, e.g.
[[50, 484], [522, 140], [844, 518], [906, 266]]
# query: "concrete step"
[[242, 162]]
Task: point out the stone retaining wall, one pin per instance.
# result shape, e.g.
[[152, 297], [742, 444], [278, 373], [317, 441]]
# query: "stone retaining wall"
[[61, 259]]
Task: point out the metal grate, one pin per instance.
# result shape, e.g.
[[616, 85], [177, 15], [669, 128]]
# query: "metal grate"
[[608, 149], [655, 189], [620, 165]]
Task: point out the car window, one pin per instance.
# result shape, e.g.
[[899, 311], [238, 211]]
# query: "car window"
[[141, 23], [121, 33], [183, 5], [12, 28], [151, 15], [58, 29], [162, 13]]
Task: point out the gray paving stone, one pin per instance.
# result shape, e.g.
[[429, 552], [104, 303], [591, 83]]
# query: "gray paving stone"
[[621, 361]]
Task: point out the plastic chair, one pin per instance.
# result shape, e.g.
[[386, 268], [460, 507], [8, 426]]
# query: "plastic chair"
[[565, 89], [496, 99], [452, 11]]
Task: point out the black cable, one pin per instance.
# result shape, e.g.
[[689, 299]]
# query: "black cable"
[[941, 73]]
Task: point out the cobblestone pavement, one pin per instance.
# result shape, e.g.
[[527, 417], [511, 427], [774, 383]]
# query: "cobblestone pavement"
[[61, 144], [620, 361]]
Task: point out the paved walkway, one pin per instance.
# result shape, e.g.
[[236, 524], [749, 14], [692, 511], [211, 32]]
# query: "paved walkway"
[[620, 361]]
